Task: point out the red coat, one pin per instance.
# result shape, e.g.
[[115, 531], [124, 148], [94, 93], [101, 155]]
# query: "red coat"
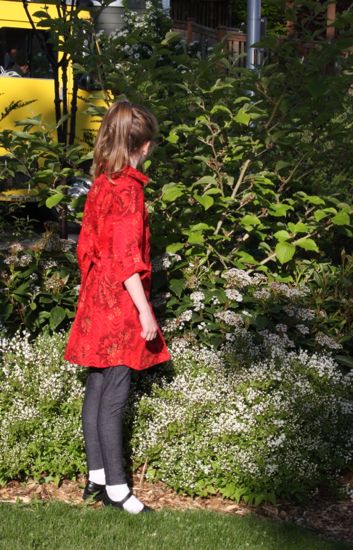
[[114, 243]]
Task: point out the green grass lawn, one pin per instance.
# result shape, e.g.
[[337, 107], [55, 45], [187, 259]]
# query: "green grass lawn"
[[60, 526]]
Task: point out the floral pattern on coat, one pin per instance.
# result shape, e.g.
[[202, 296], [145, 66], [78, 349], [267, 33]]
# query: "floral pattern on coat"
[[114, 243]]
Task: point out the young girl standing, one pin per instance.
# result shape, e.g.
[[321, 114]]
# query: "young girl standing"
[[115, 329]]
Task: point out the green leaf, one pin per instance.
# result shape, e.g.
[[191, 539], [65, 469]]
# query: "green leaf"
[[299, 227], [222, 108], [61, 121], [282, 235], [229, 490], [196, 237], [242, 99], [57, 315], [246, 257], [171, 36], [220, 84], [88, 156], [22, 289], [284, 251], [313, 199], [341, 218], [172, 192], [205, 200], [307, 244], [174, 247], [54, 200], [239, 493], [319, 215], [344, 360], [279, 209], [212, 191], [41, 14], [207, 180], [242, 117], [200, 226], [177, 286], [250, 219], [34, 121], [172, 138]]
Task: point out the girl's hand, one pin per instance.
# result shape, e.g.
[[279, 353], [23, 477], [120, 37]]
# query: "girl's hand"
[[148, 324]]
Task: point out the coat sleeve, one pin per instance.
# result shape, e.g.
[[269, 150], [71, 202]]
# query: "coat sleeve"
[[128, 232]]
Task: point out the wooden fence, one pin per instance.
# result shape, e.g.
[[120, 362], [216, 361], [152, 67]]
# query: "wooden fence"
[[207, 37]]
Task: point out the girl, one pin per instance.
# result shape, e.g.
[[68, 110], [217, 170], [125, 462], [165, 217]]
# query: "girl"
[[115, 329]]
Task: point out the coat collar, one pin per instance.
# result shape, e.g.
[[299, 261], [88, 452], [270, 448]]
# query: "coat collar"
[[134, 173]]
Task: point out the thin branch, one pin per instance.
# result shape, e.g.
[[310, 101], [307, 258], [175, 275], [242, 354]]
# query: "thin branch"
[[274, 111], [234, 192], [273, 254]]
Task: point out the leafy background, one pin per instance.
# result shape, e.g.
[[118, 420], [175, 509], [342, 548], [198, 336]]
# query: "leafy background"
[[250, 208]]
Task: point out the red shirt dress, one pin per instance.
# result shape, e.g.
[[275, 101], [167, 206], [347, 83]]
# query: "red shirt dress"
[[114, 243]]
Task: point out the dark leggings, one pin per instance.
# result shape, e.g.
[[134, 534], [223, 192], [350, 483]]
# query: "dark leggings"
[[106, 393]]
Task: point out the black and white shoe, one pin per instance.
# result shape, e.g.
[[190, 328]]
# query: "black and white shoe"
[[107, 501], [93, 490]]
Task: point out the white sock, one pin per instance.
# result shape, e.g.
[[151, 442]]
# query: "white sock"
[[117, 492], [97, 476]]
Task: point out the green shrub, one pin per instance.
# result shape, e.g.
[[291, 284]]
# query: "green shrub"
[[40, 406], [272, 426], [247, 421], [316, 313], [39, 284]]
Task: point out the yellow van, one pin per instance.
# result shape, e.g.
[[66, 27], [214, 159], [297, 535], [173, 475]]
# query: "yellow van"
[[25, 73]]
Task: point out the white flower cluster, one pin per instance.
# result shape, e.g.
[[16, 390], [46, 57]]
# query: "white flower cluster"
[[283, 290], [240, 278], [171, 325], [303, 329], [229, 317], [262, 294], [290, 291], [146, 21], [233, 294], [300, 313], [237, 277], [326, 341], [163, 262], [198, 299], [276, 344], [261, 425], [41, 401], [49, 264]]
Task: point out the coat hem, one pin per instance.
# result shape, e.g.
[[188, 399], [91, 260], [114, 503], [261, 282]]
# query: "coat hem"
[[134, 367]]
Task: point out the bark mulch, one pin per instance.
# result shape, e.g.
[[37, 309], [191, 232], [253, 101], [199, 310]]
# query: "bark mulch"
[[328, 516]]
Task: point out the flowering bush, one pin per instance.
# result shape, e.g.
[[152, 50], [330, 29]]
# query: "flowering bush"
[[275, 426], [38, 284], [316, 314], [40, 404]]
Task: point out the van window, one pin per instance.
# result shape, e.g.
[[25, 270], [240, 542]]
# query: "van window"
[[20, 51]]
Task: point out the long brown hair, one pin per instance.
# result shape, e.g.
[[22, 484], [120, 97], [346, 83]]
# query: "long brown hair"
[[125, 128]]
